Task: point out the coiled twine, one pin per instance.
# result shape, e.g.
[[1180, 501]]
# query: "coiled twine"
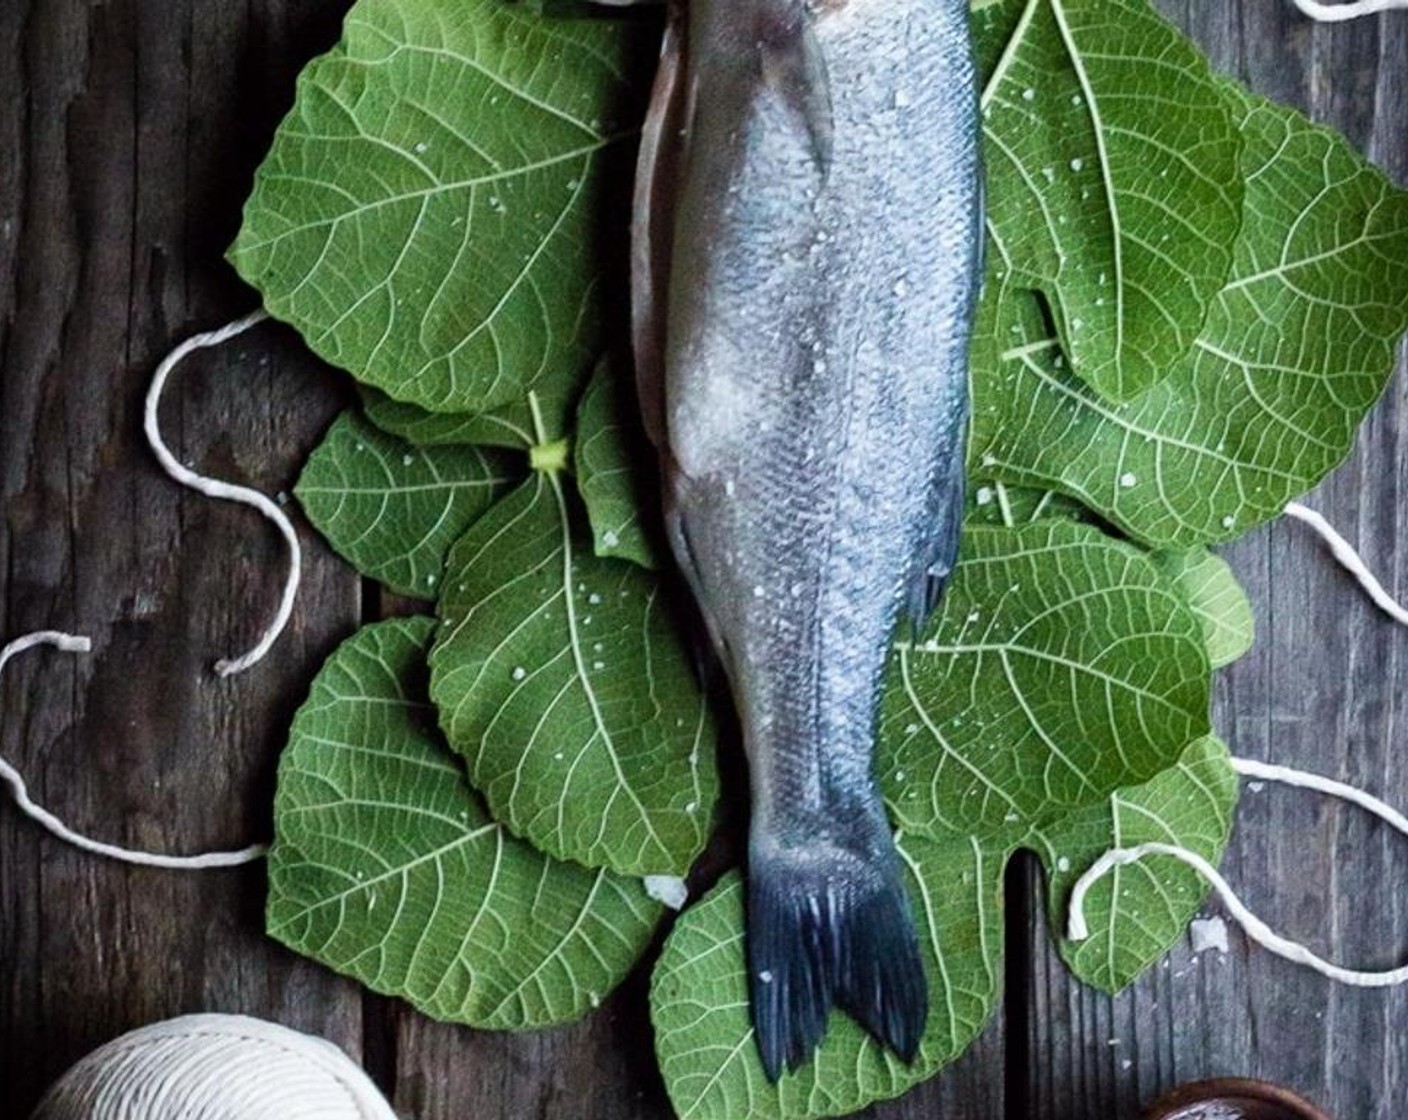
[[215, 1067]]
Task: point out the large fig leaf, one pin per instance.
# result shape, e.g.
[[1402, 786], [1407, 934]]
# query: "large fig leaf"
[[442, 208], [1113, 182], [699, 997], [1297, 347], [563, 678], [1060, 666]]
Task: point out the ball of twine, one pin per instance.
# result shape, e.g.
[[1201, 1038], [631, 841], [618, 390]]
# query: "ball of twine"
[[215, 1067]]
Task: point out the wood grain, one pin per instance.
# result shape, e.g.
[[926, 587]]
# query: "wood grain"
[[129, 131]]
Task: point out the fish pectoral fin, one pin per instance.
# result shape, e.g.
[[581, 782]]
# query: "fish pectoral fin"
[[710, 649], [795, 67], [939, 551]]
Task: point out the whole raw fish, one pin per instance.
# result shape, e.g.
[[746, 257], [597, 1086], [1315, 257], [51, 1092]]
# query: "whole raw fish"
[[807, 260]]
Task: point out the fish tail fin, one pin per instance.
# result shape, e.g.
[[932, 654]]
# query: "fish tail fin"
[[826, 926]]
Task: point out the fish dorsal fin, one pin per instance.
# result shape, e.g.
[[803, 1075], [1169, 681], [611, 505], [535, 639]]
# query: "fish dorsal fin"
[[794, 66], [658, 174]]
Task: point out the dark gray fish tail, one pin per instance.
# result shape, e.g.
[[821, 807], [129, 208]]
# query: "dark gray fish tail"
[[828, 925]]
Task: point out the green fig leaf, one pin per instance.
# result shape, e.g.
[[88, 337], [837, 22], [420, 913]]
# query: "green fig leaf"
[[564, 680], [699, 997], [393, 510], [1113, 181], [435, 214], [1136, 913], [386, 867], [1060, 666]]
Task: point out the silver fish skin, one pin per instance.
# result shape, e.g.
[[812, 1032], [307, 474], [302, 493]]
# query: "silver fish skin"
[[821, 265]]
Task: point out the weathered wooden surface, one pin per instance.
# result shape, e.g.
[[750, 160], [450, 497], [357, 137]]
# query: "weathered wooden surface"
[[128, 134]]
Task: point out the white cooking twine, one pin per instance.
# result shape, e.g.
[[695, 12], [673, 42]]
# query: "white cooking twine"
[[1078, 929], [214, 488], [1339, 13], [73, 643], [215, 1067]]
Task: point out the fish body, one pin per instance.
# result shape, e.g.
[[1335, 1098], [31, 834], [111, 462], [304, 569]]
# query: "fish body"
[[808, 240]]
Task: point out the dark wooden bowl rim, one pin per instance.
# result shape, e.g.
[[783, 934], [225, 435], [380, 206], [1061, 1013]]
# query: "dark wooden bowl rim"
[[1230, 1090]]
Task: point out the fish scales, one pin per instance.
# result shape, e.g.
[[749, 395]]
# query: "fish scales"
[[824, 264]]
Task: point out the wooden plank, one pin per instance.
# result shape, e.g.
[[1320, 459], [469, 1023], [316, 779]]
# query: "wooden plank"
[[130, 131], [1324, 689]]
